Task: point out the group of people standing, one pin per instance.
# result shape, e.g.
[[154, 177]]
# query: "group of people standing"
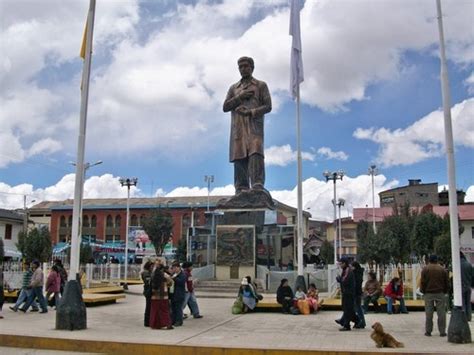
[[168, 290], [31, 293]]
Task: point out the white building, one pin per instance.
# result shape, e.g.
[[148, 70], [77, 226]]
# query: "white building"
[[11, 224]]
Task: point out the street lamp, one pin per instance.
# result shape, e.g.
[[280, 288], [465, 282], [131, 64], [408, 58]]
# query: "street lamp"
[[25, 215], [127, 182], [209, 179], [334, 176], [373, 171], [340, 203]]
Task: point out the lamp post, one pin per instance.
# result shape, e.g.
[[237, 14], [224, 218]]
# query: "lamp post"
[[188, 235], [373, 172], [340, 203], [209, 179], [129, 183], [25, 215], [334, 176]]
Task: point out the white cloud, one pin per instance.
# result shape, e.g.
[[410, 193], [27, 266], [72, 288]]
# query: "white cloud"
[[177, 74], [469, 194], [329, 154], [44, 146], [423, 139], [284, 155]]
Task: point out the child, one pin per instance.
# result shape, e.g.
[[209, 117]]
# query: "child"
[[299, 294], [313, 298]]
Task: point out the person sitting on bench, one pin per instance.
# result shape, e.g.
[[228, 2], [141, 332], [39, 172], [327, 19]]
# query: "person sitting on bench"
[[372, 292], [394, 292]]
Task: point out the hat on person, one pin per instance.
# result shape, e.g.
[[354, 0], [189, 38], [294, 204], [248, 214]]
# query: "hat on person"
[[344, 260], [244, 281]]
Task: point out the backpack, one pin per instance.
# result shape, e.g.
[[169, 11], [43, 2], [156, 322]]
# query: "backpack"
[[238, 306]]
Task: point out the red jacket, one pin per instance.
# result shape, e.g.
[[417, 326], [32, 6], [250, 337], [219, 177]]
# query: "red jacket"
[[189, 281], [390, 292], [53, 282]]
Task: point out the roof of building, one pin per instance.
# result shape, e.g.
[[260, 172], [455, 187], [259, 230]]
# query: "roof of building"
[[10, 215], [408, 186], [146, 203], [465, 212]]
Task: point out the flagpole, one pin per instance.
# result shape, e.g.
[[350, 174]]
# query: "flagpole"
[[300, 188], [458, 329], [71, 312]]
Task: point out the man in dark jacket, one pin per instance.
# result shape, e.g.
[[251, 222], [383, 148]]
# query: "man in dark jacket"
[[466, 283], [347, 281], [359, 276], [434, 286], [179, 294]]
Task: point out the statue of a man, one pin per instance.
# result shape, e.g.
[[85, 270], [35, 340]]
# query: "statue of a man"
[[249, 100]]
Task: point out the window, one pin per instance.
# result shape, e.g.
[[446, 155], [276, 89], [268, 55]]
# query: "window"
[[62, 221], [134, 220], [85, 221], [8, 231], [109, 222], [118, 220], [69, 221], [94, 221]]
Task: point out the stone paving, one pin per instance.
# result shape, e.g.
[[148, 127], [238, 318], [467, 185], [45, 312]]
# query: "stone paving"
[[123, 322]]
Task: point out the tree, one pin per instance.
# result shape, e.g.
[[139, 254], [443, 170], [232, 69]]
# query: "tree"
[[326, 252], [426, 228], [442, 248], [158, 226], [35, 245], [86, 253], [394, 238], [365, 241]]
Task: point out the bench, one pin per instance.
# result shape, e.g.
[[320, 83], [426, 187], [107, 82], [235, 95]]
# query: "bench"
[[97, 299], [104, 289]]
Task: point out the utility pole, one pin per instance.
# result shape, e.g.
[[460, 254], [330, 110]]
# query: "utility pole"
[[334, 176], [372, 172], [209, 179], [128, 183]]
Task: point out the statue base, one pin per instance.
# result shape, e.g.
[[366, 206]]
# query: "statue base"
[[71, 312], [248, 199]]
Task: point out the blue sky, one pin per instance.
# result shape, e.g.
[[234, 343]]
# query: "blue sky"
[[161, 70]]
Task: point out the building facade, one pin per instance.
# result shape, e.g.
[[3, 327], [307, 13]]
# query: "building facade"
[[11, 224]]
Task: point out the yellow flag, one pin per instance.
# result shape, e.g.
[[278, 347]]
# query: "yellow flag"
[[84, 40]]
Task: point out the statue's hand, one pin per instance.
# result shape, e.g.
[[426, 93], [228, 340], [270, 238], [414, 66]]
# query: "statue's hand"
[[246, 94], [244, 111]]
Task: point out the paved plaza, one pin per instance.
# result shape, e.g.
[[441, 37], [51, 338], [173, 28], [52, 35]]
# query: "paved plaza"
[[123, 322]]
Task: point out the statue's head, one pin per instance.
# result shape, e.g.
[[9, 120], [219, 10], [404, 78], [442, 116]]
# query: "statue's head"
[[246, 66]]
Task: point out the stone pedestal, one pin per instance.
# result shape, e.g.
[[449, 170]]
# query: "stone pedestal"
[[71, 311]]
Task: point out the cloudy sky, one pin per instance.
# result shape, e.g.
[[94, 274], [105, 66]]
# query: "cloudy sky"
[[161, 70]]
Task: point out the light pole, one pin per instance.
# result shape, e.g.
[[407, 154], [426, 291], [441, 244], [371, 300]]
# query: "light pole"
[[209, 179], [25, 215], [129, 183], [340, 203], [373, 171], [458, 329], [334, 176], [188, 235]]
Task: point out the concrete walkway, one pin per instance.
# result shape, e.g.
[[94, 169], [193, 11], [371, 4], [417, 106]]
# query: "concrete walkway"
[[123, 323]]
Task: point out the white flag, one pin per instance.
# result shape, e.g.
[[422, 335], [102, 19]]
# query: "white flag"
[[296, 76]]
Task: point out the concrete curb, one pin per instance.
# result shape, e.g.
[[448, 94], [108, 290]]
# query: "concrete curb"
[[110, 347]]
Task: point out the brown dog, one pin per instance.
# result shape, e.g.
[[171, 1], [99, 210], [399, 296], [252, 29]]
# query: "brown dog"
[[383, 339]]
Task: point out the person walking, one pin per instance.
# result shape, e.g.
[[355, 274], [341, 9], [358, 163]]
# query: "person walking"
[[434, 286], [394, 292], [189, 296], [466, 283], [62, 273], [146, 277], [159, 305], [179, 294], [36, 285], [372, 292], [359, 276], [25, 291], [53, 285], [347, 281]]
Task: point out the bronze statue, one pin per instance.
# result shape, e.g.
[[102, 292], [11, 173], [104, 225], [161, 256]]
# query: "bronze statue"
[[248, 100]]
